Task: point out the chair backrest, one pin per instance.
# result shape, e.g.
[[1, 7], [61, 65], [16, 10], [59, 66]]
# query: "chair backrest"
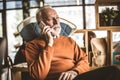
[[29, 28]]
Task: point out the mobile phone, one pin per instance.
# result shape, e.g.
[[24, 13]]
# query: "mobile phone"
[[42, 24]]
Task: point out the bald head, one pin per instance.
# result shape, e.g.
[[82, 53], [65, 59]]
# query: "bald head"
[[45, 13]]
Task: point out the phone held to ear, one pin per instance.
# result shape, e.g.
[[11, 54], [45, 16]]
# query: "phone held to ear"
[[42, 24]]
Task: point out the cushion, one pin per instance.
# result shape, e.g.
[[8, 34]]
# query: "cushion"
[[32, 30]]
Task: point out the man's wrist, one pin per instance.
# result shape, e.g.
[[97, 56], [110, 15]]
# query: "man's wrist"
[[50, 44]]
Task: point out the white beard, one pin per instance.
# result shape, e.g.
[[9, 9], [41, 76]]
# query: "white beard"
[[56, 31]]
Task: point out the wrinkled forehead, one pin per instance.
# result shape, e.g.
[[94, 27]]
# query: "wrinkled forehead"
[[48, 12]]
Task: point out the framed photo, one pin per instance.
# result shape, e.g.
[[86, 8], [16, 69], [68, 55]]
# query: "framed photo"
[[116, 58], [107, 16]]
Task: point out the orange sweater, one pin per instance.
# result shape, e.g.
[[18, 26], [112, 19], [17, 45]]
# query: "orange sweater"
[[46, 63]]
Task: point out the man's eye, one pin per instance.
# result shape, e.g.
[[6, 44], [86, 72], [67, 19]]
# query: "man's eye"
[[51, 19]]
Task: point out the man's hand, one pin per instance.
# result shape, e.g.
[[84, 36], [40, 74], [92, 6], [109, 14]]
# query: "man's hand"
[[47, 33], [69, 75]]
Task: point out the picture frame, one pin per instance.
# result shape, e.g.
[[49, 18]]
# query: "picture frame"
[[103, 12]]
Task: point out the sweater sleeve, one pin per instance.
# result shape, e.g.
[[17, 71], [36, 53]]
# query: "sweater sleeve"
[[81, 60], [38, 59]]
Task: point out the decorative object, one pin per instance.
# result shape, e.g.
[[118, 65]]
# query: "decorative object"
[[99, 50]]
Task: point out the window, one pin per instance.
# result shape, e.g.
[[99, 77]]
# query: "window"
[[90, 1], [33, 11], [14, 4], [16, 11], [90, 17], [34, 3], [1, 5], [63, 2], [73, 14], [78, 37], [13, 19]]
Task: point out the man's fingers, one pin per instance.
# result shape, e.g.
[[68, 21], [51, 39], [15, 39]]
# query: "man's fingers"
[[61, 76], [70, 75], [65, 76], [46, 29]]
